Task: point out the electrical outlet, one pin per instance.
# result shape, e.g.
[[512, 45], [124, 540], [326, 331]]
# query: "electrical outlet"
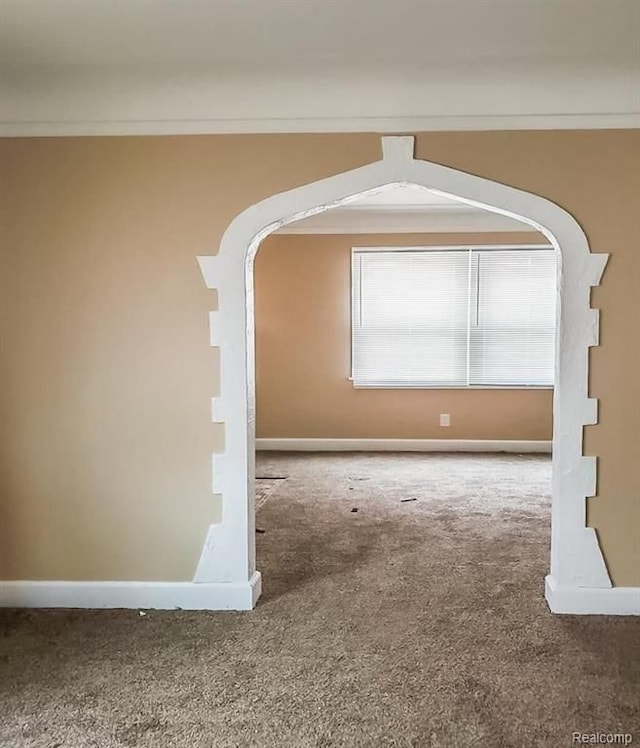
[[445, 419]]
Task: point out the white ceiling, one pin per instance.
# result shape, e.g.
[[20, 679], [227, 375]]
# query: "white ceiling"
[[276, 35], [403, 209], [222, 61], [403, 196]]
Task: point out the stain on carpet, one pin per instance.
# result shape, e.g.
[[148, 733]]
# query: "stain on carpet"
[[264, 488]]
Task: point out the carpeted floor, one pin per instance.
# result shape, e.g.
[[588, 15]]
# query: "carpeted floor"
[[404, 623]]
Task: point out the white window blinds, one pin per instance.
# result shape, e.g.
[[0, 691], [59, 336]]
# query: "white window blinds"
[[453, 317]]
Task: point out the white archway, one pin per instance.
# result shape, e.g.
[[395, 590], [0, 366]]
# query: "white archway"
[[578, 574]]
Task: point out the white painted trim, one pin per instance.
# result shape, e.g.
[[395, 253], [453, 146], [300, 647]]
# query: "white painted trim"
[[615, 601], [143, 595], [402, 445], [435, 123], [229, 550]]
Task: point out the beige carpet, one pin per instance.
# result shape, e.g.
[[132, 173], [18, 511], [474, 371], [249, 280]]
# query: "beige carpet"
[[404, 623]]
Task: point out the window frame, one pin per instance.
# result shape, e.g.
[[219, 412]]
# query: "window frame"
[[390, 385]]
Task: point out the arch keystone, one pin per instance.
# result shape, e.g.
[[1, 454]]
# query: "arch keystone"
[[398, 148]]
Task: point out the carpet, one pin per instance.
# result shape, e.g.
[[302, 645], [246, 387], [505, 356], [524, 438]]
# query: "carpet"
[[416, 621]]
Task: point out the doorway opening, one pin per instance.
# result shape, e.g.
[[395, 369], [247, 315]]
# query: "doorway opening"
[[576, 564]]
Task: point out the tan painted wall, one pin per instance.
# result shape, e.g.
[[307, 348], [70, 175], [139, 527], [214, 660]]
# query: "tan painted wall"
[[303, 341], [106, 372]]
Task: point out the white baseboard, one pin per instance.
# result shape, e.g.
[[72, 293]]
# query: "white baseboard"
[[610, 601], [143, 595], [402, 445], [243, 596]]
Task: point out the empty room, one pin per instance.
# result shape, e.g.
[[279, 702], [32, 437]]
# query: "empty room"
[[319, 373], [370, 320]]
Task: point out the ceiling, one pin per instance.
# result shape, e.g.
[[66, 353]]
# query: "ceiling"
[[274, 35], [219, 61], [403, 208], [406, 196]]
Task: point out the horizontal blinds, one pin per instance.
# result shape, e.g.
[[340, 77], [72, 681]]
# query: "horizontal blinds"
[[410, 313], [512, 336], [453, 317]]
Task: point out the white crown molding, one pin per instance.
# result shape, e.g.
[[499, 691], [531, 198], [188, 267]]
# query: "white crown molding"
[[403, 445], [194, 126], [425, 219]]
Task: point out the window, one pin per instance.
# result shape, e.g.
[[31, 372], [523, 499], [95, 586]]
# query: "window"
[[453, 317]]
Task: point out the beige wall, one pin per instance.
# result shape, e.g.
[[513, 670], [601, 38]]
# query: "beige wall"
[[303, 342], [106, 373]]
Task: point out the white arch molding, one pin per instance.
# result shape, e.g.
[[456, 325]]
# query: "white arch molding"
[[578, 575]]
